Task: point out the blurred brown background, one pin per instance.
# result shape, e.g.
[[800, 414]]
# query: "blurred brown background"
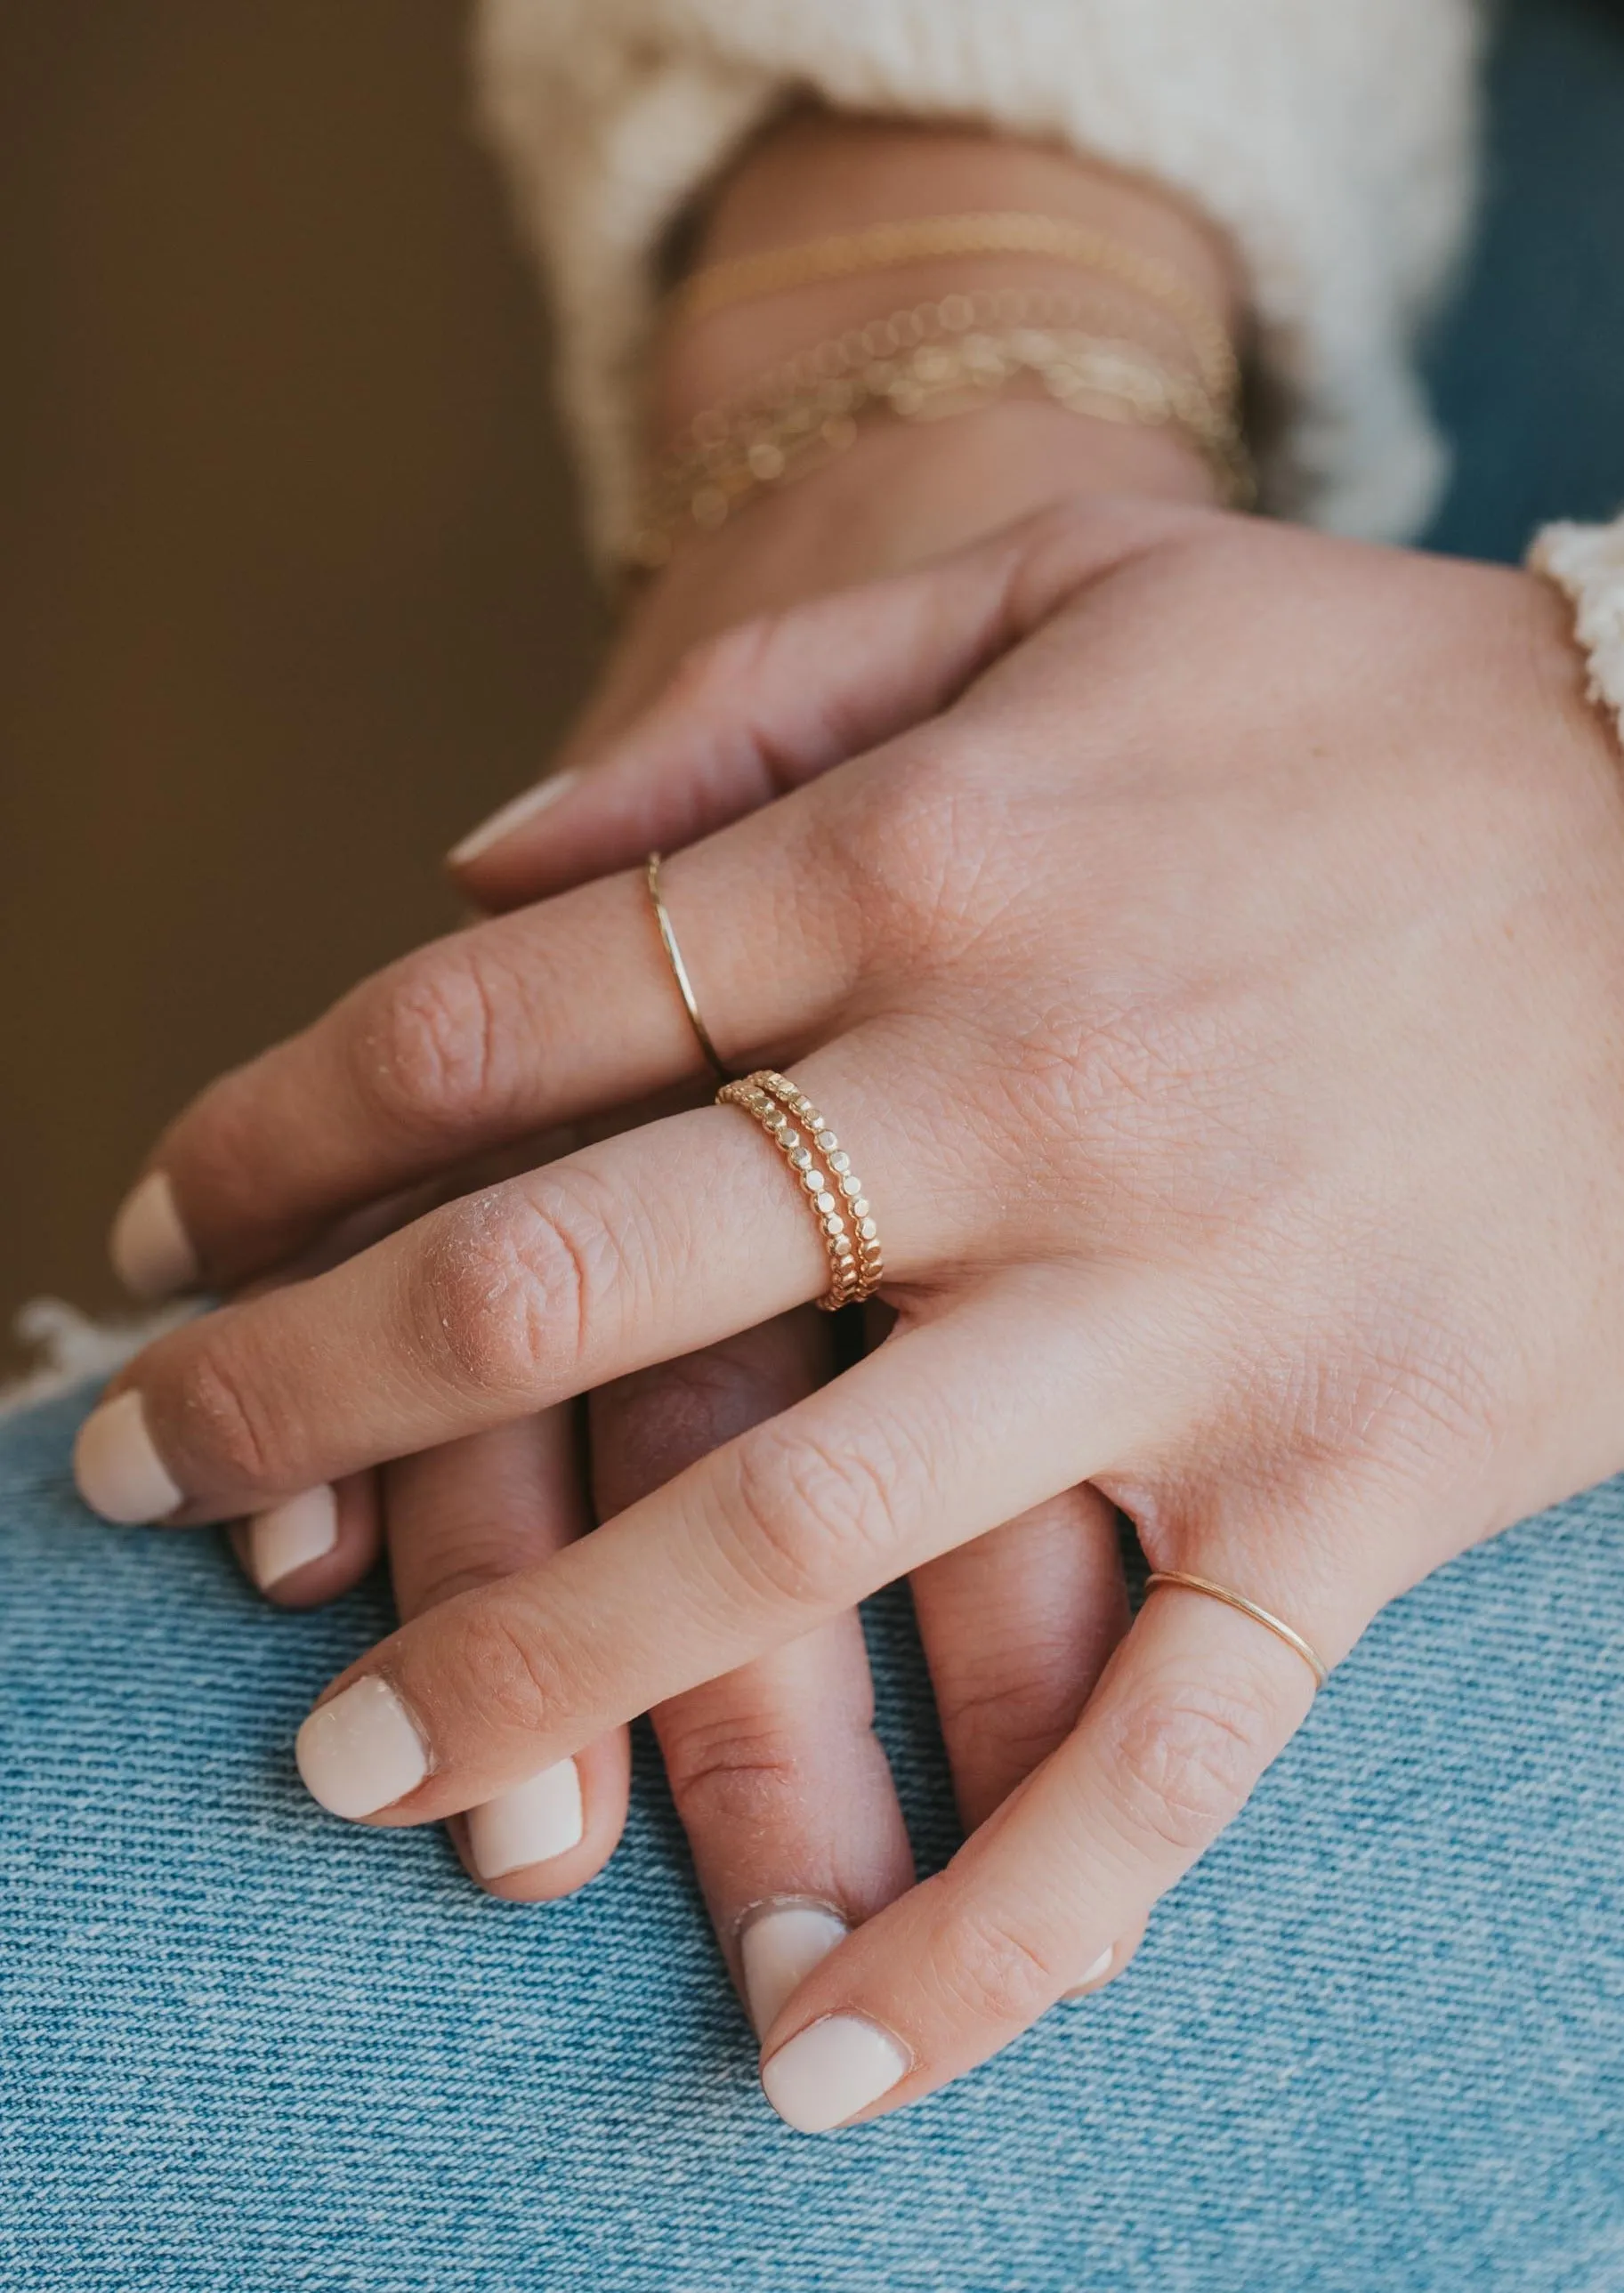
[[293, 592]]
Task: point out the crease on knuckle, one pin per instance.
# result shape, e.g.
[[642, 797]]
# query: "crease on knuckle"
[[1183, 1759], [810, 1523], [433, 1047], [511, 1683], [513, 1282], [483, 1557], [1021, 1720], [667, 1418], [994, 1975], [233, 1430], [729, 1773]]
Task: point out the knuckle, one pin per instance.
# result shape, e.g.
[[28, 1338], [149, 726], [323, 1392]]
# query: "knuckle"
[[234, 1431], [713, 671], [1185, 1759], [667, 1418], [508, 1678], [513, 1283], [811, 1523], [1021, 1718], [432, 1039], [482, 1558], [733, 1773], [994, 1974], [909, 841]]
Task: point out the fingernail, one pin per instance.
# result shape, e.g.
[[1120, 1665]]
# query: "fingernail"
[[778, 1948], [1097, 1973], [530, 1824], [119, 1473], [149, 1246], [361, 1752], [292, 1535], [514, 814], [830, 2071]]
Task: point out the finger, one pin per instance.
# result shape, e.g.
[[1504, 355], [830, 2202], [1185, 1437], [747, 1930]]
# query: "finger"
[[500, 1030], [768, 706], [787, 1798], [781, 1783], [1195, 1703], [925, 1444], [640, 1248], [1017, 1627], [468, 1045], [311, 1547], [467, 1515]]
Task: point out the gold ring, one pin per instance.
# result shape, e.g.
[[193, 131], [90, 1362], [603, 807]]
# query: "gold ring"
[[679, 969], [846, 1222], [1281, 1631]]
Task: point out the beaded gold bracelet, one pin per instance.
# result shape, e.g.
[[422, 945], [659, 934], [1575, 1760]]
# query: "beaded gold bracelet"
[[917, 365], [923, 239]]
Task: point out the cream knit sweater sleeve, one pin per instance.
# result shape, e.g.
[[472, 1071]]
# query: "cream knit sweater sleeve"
[[1332, 139]]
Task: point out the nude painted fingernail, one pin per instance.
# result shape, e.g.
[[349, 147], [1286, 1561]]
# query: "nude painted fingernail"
[[151, 1253], [361, 1752], [532, 1823], [778, 1948], [118, 1470], [832, 2069], [514, 814], [1097, 1973], [292, 1535]]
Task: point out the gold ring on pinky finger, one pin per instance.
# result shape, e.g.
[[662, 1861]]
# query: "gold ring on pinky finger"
[[846, 1222], [1281, 1631]]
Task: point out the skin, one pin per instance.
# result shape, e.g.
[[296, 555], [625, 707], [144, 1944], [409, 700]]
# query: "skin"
[[1212, 936], [784, 1788]]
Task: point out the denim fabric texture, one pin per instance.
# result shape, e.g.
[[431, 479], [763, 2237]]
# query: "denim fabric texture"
[[1374, 2043]]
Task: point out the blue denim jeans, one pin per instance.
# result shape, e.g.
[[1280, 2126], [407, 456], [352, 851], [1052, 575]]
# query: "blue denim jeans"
[[1374, 2044]]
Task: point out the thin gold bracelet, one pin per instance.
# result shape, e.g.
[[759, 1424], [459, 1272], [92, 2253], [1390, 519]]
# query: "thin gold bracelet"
[[920, 238]]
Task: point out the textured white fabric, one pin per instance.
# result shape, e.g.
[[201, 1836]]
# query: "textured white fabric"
[[1332, 139], [1586, 563]]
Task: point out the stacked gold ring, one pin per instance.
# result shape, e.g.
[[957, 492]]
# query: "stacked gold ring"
[[846, 1222]]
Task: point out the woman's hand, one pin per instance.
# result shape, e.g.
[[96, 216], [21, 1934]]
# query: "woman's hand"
[[786, 1796], [784, 1792], [1219, 991]]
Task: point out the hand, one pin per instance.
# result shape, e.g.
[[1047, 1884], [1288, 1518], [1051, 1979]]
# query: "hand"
[[1221, 996], [786, 1796]]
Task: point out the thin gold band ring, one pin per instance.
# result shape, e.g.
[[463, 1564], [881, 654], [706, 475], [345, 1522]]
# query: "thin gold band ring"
[[679, 969], [1281, 1631]]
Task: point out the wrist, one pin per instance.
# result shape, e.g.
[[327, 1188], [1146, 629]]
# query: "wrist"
[[817, 175], [905, 489]]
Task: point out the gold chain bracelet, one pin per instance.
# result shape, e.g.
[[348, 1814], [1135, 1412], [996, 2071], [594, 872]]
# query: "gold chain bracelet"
[[936, 359], [923, 239]]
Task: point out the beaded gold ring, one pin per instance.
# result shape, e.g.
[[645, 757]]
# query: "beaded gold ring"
[[846, 1222]]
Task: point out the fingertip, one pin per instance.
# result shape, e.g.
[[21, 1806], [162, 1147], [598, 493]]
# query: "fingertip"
[[1113, 1961], [509, 818], [546, 1836], [150, 1250], [283, 1543], [779, 1945], [313, 1547], [116, 1467]]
